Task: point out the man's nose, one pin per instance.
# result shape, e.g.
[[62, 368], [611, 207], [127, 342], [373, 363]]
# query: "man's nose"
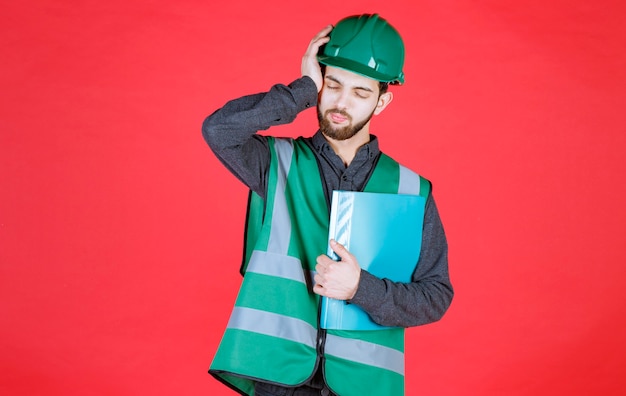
[[342, 100]]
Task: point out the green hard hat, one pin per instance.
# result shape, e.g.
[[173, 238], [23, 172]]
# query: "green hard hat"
[[367, 45]]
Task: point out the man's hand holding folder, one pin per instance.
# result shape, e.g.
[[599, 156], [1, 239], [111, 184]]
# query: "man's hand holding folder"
[[337, 279]]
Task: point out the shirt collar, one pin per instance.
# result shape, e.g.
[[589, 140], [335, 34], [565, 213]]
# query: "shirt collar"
[[371, 149]]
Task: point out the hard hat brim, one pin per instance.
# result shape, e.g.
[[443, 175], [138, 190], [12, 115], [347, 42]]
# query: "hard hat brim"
[[358, 68]]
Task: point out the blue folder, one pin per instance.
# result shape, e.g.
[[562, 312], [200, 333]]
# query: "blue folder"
[[384, 233]]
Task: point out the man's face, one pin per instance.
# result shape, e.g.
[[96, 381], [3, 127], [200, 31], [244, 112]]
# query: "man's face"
[[347, 102]]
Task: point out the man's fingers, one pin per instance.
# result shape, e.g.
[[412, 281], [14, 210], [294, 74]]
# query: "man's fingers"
[[320, 39], [338, 248], [323, 33], [318, 286], [316, 44]]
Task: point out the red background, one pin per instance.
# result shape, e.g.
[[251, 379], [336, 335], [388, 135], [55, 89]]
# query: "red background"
[[120, 233]]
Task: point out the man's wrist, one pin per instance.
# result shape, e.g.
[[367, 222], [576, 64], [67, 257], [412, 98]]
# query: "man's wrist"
[[305, 92]]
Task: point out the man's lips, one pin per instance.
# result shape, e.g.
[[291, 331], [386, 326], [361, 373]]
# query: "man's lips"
[[338, 117]]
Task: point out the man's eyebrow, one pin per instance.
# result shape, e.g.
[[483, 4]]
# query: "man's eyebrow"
[[356, 88], [364, 89], [331, 78]]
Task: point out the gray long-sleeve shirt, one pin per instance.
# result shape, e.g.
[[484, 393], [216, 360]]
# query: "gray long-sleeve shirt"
[[231, 132]]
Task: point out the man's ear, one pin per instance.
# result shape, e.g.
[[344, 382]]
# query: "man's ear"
[[383, 101]]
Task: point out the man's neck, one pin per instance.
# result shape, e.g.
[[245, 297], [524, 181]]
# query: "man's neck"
[[346, 149]]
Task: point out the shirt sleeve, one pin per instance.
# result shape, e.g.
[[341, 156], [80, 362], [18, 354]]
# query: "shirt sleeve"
[[427, 297], [231, 132]]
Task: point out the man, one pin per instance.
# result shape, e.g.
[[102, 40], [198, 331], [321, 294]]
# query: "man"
[[273, 344]]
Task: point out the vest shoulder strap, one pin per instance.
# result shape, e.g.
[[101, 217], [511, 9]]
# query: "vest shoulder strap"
[[389, 176]]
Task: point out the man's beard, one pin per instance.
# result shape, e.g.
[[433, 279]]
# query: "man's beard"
[[343, 133]]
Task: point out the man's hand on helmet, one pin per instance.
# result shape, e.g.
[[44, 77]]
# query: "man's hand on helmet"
[[310, 65]]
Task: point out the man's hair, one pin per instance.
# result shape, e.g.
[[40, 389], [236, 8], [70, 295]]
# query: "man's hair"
[[382, 87]]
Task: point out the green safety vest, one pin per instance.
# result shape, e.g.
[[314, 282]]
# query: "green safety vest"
[[272, 334]]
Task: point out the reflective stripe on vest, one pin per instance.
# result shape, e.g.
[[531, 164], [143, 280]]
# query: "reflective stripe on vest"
[[272, 324], [366, 353], [409, 182], [281, 224], [267, 333]]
